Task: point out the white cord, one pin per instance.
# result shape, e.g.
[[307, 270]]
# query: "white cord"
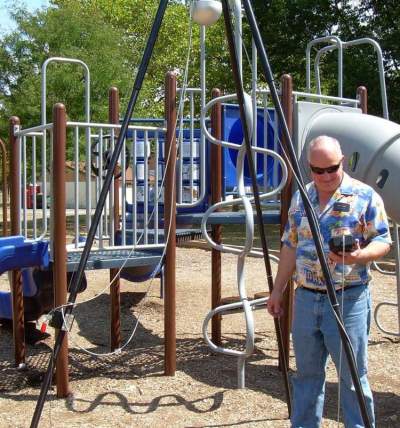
[[341, 345]]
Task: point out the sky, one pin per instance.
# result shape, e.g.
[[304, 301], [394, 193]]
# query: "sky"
[[6, 23]]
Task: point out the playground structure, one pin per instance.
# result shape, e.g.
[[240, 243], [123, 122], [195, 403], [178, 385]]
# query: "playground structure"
[[137, 236]]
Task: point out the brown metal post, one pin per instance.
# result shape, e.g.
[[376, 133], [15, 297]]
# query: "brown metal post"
[[170, 227], [59, 237], [216, 196], [16, 277], [4, 186], [286, 196], [362, 96], [115, 324]]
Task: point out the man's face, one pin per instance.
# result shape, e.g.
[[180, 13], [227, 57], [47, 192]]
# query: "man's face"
[[328, 169]]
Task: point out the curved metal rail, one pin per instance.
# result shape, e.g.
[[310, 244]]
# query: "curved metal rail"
[[350, 43], [378, 324], [246, 250]]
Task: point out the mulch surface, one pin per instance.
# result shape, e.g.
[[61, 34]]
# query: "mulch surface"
[[130, 389]]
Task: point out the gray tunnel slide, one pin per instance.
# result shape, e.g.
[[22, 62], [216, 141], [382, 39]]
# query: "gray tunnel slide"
[[371, 146]]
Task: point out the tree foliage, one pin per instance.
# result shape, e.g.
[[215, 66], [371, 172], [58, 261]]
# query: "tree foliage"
[[110, 37], [66, 32], [288, 25]]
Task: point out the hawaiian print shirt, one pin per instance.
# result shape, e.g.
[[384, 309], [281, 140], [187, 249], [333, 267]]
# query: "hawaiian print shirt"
[[356, 209]]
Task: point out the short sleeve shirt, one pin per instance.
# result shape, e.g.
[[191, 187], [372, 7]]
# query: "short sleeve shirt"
[[356, 209]]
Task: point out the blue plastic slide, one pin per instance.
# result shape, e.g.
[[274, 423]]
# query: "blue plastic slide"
[[16, 253]]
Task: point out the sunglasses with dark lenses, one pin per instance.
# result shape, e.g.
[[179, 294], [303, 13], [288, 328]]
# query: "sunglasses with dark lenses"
[[330, 169]]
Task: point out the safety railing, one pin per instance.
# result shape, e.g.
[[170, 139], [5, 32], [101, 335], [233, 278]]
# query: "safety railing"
[[192, 159], [140, 171]]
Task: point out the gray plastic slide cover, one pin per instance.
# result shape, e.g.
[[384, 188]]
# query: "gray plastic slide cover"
[[371, 146]]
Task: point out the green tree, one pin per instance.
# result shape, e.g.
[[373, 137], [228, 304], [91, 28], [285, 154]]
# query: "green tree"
[[288, 25], [68, 32]]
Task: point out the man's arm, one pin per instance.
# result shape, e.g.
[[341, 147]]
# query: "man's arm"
[[286, 267]]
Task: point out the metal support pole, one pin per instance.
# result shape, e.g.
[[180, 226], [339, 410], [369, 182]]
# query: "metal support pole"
[[170, 227], [216, 196], [4, 186], [59, 238], [115, 322], [15, 212], [286, 196]]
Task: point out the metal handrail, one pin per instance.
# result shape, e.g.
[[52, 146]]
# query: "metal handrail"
[[378, 50], [327, 39]]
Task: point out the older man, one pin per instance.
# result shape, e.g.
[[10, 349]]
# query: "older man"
[[344, 206]]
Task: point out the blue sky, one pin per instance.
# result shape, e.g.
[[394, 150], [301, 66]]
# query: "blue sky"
[[5, 22]]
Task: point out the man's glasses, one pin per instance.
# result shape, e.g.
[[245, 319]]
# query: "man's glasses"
[[330, 169]]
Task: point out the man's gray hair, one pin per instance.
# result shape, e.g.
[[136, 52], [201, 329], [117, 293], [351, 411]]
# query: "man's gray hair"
[[326, 141]]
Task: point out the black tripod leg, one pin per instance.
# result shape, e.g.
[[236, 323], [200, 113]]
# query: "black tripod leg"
[[257, 203], [99, 207]]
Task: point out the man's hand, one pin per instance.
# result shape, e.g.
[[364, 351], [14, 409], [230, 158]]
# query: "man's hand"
[[287, 264], [350, 258], [373, 251], [274, 304]]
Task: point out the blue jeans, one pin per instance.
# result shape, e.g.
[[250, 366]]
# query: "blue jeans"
[[315, 335]]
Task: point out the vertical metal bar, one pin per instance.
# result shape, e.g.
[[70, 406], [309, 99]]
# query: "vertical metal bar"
[[181, 144], [203, 86], [97, 179], [265, 142], [100, 159], [76, 185], [15, 212], [44, 182], [34, 187], [134, 187], [115, 321], [170, 227], [120, 181], [156, 189], [275, 180], [146, 188], [216, 196], [24, 188], [59, 238], [254, 96], [110, 214], [191, 145]]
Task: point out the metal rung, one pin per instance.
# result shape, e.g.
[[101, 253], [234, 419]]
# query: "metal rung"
[[109, 259], [234, 299]]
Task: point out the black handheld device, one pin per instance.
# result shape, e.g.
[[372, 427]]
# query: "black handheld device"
[[336, 243]]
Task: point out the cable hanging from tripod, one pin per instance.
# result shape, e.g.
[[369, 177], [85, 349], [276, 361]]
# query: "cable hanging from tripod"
[[314, 226]]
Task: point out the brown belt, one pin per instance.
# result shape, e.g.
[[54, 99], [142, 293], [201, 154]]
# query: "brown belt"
[[324, 290]]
